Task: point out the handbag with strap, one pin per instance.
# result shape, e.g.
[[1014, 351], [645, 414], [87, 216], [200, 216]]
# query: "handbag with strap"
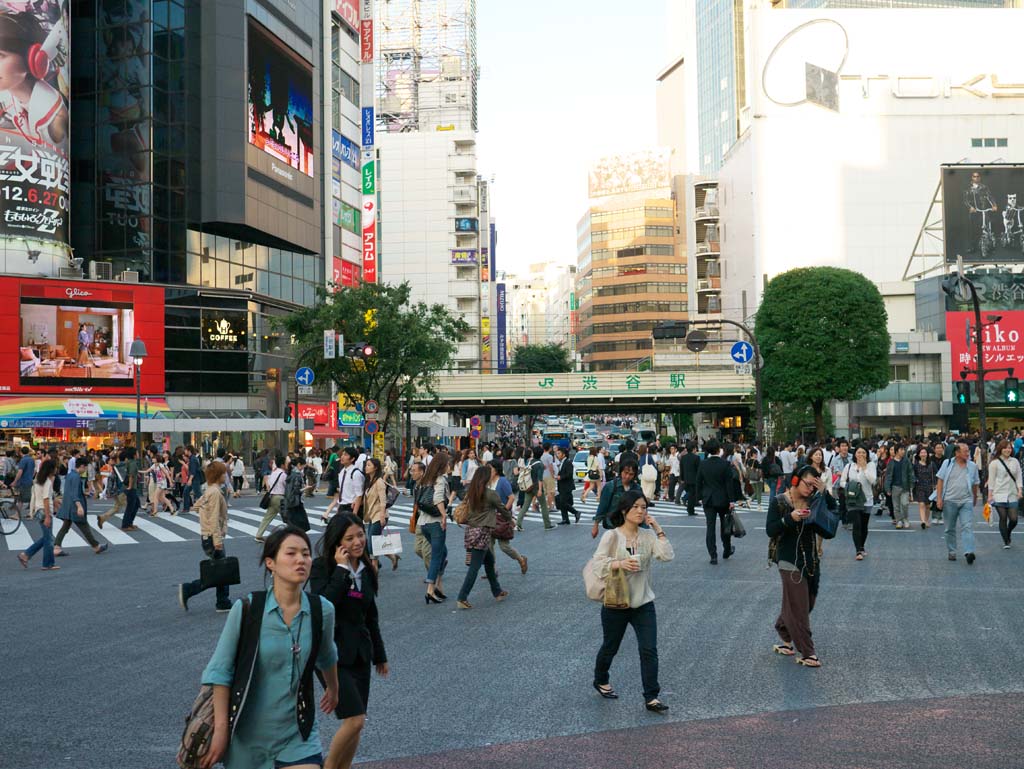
[[219, 572], [736, 527], [505, 529], [822, 517]]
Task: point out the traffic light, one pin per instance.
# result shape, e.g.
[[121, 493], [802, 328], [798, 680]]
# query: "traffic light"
[[1011, 390], [288, 412], [963, 393], [670, 329]]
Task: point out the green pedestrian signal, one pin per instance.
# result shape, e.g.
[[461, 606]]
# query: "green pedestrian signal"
[[1011, 390], [963, 393]]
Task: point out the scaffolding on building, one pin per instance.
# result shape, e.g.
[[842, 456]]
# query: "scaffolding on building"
[[427, 69]]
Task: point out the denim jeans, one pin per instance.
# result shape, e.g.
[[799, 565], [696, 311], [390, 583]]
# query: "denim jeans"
[[645, 624], [44, 543], [132, 496], [478, 558], [438, 550], [962, 512], [373, 530]]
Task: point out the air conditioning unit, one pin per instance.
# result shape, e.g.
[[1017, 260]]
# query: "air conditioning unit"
[[101, 271], [703, 285], [71, 273], [129, 276]]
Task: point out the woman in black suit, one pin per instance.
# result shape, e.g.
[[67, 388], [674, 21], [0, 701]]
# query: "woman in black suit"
[[343, 574]]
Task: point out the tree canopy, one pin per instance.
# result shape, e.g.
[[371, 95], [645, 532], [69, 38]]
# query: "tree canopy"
[[540, 359], [822, 333], [411, 341]]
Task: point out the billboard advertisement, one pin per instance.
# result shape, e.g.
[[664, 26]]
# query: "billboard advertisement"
[[280, 100], [345, 150], [464, 256], [69, 412], [74, 337], [983, 213], [502, 299], [1003, 346], [631, 172], [345, 273], [348, 10], [466, 224], [34, 121]]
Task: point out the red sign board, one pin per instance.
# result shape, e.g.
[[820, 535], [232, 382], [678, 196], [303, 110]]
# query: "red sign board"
[[346, 273], [366, 40], [1003, 344], [320, 413], [74, 337], [349, 11]]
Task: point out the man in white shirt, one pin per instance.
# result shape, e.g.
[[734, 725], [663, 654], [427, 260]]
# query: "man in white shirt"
[[350, 482], [488, 456], [548, 460], [673, 472], [788, 459]]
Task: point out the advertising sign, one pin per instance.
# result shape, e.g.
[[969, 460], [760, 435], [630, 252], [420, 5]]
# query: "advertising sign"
[[370, 239], [631, 172], [463, 256], [225, 330], [367, 127], [345, 150], [494, 249], [66, 412], [349, 217], [466, 224], [350, 419], [485, 343], [320, 413], [366, 41], [502, 299], [1003, 345], [330, 340], [983, 213], [280, 100], [34, 121], [348, 10], [74, 337]]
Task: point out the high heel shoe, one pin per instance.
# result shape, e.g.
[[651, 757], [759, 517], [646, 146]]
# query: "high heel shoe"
[[429, 599], [440, 595]]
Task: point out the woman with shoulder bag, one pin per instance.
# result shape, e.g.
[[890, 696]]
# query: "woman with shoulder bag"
[[1004, 488], [344, 575], [269, 720], [632, 549], [431, 496], [274, 485], [592, 483], [374, 508], [42, 510], [862, 471], [212, 509], [482, 506]]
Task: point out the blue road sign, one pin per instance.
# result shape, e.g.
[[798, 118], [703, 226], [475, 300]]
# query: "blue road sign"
[[742, 352], [305, 376], [372, 426]]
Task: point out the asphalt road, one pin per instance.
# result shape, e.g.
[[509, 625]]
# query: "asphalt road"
[[920, 659]]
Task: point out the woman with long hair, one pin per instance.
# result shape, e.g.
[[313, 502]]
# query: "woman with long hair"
[[431, 497], [483, 506], [1004, 488], [266, 716], [861, 471], [374, 508], [42, 508], [161, 475], [592, 482], [344, 574], [924, 483], [633, 549], [936, 458]]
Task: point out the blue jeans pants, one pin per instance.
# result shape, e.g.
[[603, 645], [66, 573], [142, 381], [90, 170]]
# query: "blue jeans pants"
[[132, 495], [959, 515], [438, 550], [44, 543], [477, 559], [645, 624], [373, 530]]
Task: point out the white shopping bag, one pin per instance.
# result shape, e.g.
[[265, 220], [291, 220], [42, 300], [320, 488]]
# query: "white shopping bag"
[[388, 543]]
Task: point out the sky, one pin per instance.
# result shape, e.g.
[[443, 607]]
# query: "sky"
[[562, 82]]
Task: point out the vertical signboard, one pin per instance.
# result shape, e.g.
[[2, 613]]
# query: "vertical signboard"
[[502, 336], [494, 249], [348, 10], [485, 343], [369, 165], [369, 216]]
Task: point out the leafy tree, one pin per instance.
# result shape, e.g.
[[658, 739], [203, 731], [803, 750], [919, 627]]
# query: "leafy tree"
[[411, 341], [683, 422], [822, 333], [794, 420], [541, 359]]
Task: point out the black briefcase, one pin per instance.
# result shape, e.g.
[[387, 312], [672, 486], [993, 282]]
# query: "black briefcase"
[[218, 572]]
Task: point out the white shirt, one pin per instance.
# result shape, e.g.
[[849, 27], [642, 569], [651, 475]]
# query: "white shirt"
[[357, 575], [865, 477], [350, 485], [72, 464], [788, 460], [673, 464], [488, 456]]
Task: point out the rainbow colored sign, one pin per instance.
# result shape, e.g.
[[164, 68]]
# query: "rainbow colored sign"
[[23, 411]]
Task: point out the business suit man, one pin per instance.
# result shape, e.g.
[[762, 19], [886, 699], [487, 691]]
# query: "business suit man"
[[565, 485], [689, 464], [716, 489]]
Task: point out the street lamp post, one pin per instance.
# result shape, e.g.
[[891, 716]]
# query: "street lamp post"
[[137, 352]]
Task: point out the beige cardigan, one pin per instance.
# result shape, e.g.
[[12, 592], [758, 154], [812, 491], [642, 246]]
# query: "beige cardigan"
[[212, 509]]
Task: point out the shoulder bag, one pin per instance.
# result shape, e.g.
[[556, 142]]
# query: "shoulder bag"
[[736, 526], [822, 517], [505, 530]]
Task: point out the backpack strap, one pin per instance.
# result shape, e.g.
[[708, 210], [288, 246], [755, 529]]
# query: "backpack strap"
[[246, 654], [305, 710]]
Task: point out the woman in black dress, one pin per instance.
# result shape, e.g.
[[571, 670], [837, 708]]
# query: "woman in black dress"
[[343, 574], [924, 482]]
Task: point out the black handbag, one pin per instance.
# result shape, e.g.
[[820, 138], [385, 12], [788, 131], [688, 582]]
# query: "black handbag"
[[265, 500], [738, 531], [297, 517], [219, 572]]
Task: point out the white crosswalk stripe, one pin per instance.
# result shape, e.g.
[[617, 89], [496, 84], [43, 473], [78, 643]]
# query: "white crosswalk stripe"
[[244, 520]]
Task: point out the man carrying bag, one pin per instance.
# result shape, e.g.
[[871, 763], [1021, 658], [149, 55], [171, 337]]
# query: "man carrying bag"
[[219, 571]]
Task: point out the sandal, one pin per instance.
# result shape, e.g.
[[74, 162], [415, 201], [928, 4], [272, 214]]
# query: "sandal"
[[809, 662], [860, 556], [23, 560], [786, 650]]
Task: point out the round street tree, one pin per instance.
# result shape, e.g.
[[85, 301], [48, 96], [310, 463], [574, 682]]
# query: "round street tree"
[[822, 332]]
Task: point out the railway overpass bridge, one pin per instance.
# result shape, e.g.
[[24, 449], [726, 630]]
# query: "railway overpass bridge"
[[684, 389]]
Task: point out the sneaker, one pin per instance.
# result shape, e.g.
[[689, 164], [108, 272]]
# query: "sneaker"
[[969, 557], [952, 556], [1006, 546], [223, 608], [182, 598]]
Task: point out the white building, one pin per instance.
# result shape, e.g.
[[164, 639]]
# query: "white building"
[[527, 307], [850, 115]]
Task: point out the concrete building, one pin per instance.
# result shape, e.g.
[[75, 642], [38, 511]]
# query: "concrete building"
[[527, 308], [434, 218]]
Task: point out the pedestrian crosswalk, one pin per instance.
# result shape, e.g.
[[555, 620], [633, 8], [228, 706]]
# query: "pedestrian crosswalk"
[[244, 520]]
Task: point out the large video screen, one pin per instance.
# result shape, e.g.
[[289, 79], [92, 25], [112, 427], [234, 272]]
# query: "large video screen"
[[983, 213], [34, 121], [280, 100]]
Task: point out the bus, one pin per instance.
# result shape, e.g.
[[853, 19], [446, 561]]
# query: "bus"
[[557, 438]]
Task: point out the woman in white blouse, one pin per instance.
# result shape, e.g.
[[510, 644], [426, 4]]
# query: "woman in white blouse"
[[631, 548], [864, 473], [1004, 488]]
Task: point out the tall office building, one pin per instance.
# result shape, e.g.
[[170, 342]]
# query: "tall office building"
[[630, 273], [721, 67], [437, 230]]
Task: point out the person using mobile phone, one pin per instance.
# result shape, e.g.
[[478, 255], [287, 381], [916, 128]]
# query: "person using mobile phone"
[[794, 550]]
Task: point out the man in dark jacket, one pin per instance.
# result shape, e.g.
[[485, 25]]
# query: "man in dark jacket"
[[566, 484], [715, 487], [689, 464]]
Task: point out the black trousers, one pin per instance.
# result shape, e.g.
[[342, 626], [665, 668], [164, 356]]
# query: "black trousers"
[[613, 626], [673, 481], [691, 498], [860, 518], [564, 503], [710, 515]]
